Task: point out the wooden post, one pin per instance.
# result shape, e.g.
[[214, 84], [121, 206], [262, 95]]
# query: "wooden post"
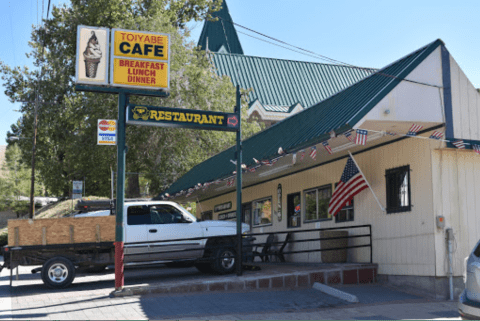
[[97, 234], [17, 237], [44, 235]]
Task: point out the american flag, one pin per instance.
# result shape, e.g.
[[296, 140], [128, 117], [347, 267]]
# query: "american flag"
[[349, 136], [313, 152], [476, 148], [414, 130], [361, 138], [302, 154], [436, 135], [327, 147], [459, 144], [351, 183], [252, 169], [230, 182]]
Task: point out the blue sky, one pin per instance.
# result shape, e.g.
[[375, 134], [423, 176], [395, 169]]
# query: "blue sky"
[[365, 33]]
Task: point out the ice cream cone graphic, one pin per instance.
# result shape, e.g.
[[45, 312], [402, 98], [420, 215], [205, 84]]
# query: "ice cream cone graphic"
[[92, 55]]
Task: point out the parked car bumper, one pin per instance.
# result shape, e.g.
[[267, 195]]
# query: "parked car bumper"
[[469, 310]]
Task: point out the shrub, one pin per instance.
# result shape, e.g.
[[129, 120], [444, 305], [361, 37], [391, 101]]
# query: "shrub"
[[3, 239]]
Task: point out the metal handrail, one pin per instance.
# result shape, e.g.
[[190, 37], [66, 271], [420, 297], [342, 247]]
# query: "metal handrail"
[[233, 244]]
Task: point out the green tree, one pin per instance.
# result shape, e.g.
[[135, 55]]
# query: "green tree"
[[66, 143], [15, 184]]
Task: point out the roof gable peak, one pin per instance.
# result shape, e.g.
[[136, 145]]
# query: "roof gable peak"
[[220, 34]]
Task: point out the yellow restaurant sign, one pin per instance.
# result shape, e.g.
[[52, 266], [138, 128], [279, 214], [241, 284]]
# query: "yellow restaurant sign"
[[140, 59]]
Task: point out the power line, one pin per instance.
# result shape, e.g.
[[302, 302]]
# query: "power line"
[[284, 47], [286, 43], [48, 8], [316, 55]]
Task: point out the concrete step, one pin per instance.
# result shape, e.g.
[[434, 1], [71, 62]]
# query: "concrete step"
[[271, 276]]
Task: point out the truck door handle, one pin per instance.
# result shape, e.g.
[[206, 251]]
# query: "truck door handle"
[[153, 231]]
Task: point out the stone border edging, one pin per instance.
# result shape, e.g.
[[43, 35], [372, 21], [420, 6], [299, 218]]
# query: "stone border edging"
[[359, 274]]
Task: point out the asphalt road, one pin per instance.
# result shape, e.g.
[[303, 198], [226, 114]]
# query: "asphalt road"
[[88, 298]]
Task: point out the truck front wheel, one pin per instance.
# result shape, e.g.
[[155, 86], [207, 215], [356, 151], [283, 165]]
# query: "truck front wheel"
[[58, 273], [224, 261]]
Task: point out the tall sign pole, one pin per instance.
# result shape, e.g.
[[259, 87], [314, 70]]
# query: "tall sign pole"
[[119, 226], [239, 183]]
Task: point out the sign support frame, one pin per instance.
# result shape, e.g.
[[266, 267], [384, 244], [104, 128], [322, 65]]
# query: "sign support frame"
[[120, 201], [239, 182], [123, 101], [124, 92]]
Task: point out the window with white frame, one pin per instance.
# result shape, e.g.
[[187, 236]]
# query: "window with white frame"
[[262, 211], [316, 203]]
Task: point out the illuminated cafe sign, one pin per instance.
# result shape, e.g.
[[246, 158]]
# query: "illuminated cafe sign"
[[222, 207], [177, 117], [227, 216]]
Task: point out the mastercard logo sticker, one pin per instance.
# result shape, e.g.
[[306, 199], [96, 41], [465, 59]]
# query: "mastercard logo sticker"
[[107, 125]]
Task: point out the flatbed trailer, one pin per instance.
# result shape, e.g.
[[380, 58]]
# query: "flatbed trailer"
[[156, 232]]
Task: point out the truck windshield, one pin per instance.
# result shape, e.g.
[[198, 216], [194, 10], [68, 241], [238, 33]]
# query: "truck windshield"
[[157, 214]]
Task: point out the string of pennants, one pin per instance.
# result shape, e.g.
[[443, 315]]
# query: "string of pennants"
[[361, 136]]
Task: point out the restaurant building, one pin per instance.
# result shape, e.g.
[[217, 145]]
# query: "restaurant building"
[[417, 111]]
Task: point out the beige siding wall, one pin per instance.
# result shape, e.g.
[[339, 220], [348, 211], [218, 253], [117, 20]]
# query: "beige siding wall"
[[456, 187], [403, 243], [465, 104]]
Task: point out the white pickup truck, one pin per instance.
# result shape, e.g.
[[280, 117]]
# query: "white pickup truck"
[[155, 232]]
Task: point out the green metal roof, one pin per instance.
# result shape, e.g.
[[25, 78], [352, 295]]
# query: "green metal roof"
[[311, 126], [220, 33], [279, 109], [279, 82]]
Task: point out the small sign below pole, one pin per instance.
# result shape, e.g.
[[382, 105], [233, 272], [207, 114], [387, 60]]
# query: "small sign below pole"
[[77, 189], [107, 132]]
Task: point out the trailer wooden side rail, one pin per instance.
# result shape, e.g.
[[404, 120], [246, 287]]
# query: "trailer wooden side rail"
[[61, 230]]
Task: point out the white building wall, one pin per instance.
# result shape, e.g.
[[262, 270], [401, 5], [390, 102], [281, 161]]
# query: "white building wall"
[[456, 190], [411, 102], [465, 104]]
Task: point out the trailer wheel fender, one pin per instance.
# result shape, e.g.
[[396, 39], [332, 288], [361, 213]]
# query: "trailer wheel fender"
[[58, 272]]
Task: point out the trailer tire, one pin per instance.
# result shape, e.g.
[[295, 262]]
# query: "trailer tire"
[[58, 272]]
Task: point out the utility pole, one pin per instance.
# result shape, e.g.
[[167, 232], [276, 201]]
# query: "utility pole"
[[34, 150]]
